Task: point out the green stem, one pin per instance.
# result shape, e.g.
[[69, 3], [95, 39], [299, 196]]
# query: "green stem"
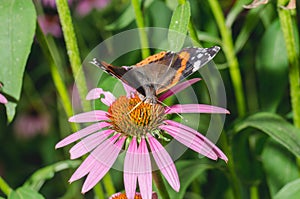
[[233, 179], [160, 185], [72, 49], [141, 25], [5, 188], [229, 52], [99, 191], [57, 79], [293, 59], [254, 192], [108, 184]]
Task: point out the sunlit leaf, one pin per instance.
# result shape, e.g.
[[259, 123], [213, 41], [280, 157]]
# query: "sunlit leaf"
[[276, 127], [25, 193], [17, 27], [290, 191], [37, 179]]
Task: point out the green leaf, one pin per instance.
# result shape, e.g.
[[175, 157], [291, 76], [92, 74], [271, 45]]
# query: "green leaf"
[[272, 68], [279, 166], [186, 176], [37, 179], [179, 26], [17, 27], [290, 191], [25, 193], [275, 126]]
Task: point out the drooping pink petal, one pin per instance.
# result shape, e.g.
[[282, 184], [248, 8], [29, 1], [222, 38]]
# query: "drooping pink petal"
[[130, 169], [82, 133], [128, 89], [89, 143], [164, 163], [105, 155], [144, 170], [3, 100], [193, 139], [92, 116], [194, 108], [96, 93], [177, 88], [190, 140]]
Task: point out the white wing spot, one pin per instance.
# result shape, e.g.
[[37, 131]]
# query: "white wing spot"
[[197, 65]]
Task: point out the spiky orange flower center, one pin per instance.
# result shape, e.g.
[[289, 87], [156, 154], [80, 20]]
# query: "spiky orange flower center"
[[123, 196], [133, 117]]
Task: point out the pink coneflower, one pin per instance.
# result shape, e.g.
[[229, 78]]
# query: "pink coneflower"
[[86, 6], [140, 125]]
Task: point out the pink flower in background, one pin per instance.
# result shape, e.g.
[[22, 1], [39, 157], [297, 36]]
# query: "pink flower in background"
[[52, 3], [28, 125], [140, 125], [86, 6], [50, 25], [3, 100]]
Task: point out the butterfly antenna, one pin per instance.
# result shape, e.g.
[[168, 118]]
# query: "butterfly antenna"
[[135, 107]]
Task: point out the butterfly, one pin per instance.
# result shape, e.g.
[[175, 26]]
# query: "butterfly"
[[159, 72]]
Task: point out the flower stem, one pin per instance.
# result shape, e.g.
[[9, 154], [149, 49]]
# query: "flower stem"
[[293, 59], [108, 184], [229, 52], [141, 25], [4, 187], [233, 179], [98, 191], [72, 49], [160, 185]]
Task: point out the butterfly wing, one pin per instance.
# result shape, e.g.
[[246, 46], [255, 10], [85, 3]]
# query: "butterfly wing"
[[166, 69]]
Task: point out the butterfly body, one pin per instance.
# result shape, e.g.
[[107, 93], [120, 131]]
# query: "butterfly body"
[[161, 71]]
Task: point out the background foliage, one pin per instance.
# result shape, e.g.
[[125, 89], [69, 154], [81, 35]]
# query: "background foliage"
[[259, 64]]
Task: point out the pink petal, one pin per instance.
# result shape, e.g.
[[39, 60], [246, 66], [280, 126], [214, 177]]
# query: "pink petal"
[[130, 169], [164, 163], [177, 88], [91, 161], [195, 108], [92, 116], [3, 100], [105, 154], [89, 143], [144, 171], [82, 133], [194, 140], [97, 92]]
